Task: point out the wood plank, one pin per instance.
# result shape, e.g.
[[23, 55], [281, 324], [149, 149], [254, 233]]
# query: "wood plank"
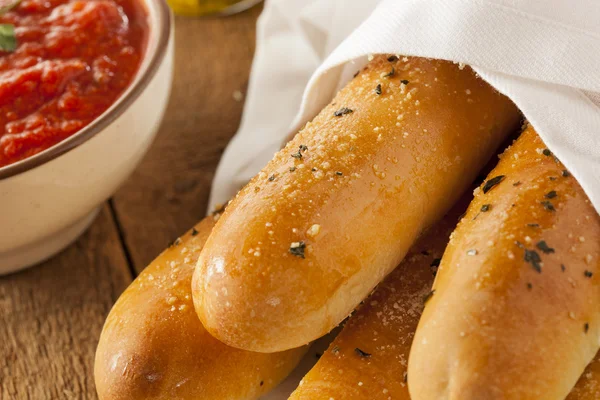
[[168, 193], [51, 316]]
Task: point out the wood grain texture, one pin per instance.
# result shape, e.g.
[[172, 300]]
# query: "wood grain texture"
[[168, 193], [51, 317]]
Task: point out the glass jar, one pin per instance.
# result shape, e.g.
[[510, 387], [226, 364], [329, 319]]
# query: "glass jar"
[[210, 7]]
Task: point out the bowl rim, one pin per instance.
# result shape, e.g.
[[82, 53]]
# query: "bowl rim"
[[143, 77]]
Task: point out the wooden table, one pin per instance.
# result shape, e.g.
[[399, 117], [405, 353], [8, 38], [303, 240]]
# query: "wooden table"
[[51, 315]]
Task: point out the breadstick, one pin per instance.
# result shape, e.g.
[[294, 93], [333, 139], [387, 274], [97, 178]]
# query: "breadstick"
[[588, 385], [368, 360], [153, 345], [515, 311], [338, 208]]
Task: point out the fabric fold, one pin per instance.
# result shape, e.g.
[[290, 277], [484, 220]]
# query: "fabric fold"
[[542, 54]]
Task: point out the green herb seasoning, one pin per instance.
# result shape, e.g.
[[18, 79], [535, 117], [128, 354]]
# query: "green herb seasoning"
[[378, 89], [194, 231], [532, 257], [546, 152], [272, 178], [586, 327], [543, 246], [339, 173], [404, 81], [343, 111], [566, 173], [548, 205], [392, 58], [551, 194], [588, 274], [391, 73], [486, 207], [362, 353], [8, 40], [492, 182], [297, 249], [7, 5], [533, 225]]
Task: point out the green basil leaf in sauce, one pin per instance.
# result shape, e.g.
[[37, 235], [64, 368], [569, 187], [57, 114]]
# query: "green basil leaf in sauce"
[[8, 40], [7, 5]]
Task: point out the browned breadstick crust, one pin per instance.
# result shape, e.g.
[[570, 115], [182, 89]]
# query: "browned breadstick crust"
[[588, 385], [338, 208], [153, 345], [368, 360], [515, 314]]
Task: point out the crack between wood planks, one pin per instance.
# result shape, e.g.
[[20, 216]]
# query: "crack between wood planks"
[[121, 233]]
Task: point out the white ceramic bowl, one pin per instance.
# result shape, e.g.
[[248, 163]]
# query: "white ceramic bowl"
[[48, 200]]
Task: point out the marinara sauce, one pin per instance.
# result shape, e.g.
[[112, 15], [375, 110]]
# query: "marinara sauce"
[[73, 60]]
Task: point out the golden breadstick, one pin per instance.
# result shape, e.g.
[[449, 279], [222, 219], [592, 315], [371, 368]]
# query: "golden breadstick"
[[338, 208], [515, 312], [588, 385], [153, 345], [369, 358]]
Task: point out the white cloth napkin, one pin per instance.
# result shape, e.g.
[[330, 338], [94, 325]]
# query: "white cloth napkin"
[[543, 54]]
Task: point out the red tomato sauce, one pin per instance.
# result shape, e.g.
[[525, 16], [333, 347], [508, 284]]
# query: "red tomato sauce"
[[73, 60]]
